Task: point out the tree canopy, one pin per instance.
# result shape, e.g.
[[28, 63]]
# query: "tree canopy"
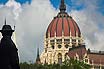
[[68, 64]]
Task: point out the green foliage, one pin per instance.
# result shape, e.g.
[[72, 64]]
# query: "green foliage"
[[68, 64], [75, 64]]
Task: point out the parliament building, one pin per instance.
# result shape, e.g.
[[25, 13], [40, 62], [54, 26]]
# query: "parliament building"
[[63, 40]]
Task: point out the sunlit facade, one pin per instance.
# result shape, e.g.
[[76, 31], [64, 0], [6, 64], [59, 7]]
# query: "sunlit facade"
[[63, 40], [62, 33]]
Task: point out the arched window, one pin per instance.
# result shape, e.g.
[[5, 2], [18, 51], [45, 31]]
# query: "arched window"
[[53, 46], [59, 58], [59, 46], [73, 41], [86, 59], [66, 56], [66, 46]]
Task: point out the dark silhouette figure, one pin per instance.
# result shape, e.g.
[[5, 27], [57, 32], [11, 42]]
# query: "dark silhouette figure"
[[8, 51]]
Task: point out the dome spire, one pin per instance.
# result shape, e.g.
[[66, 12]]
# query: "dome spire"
[[62, 6]]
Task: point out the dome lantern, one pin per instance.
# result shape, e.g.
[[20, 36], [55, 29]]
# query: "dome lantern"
[[62, 6]]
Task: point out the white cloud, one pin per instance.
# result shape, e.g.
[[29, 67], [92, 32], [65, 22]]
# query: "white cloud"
[[15, 6], [31, 25], [88, 20], [1, 6], [32, 21]]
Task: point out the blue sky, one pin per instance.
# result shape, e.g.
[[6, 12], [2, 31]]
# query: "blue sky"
[[71, 5], [101, 6]]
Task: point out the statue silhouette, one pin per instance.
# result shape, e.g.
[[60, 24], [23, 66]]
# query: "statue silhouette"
[[8, 51]]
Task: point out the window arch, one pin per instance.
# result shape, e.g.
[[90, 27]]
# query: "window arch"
[[66, 46], [66, 56], [53, 46], [86, 59], [59, 58], [59, 46]]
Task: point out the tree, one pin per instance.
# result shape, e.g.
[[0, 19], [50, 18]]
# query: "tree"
[[67, 64], [75, 64]]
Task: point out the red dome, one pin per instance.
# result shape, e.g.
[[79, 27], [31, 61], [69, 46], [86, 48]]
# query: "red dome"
[[63, 23]]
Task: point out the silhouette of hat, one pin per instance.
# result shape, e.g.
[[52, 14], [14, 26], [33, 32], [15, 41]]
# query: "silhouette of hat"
[[6, 28]]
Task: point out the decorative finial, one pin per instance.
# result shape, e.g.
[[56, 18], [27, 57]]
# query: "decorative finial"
[[38, 53], [62, 6], [5, 21], [14, 27]]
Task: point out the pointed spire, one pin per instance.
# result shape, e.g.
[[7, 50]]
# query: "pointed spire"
[[5, 21], [38, 53], [38, 58], [62, 6]]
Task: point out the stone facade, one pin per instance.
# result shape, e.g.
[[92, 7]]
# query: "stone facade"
[[56, 49], [63, 40], [93, 58]]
